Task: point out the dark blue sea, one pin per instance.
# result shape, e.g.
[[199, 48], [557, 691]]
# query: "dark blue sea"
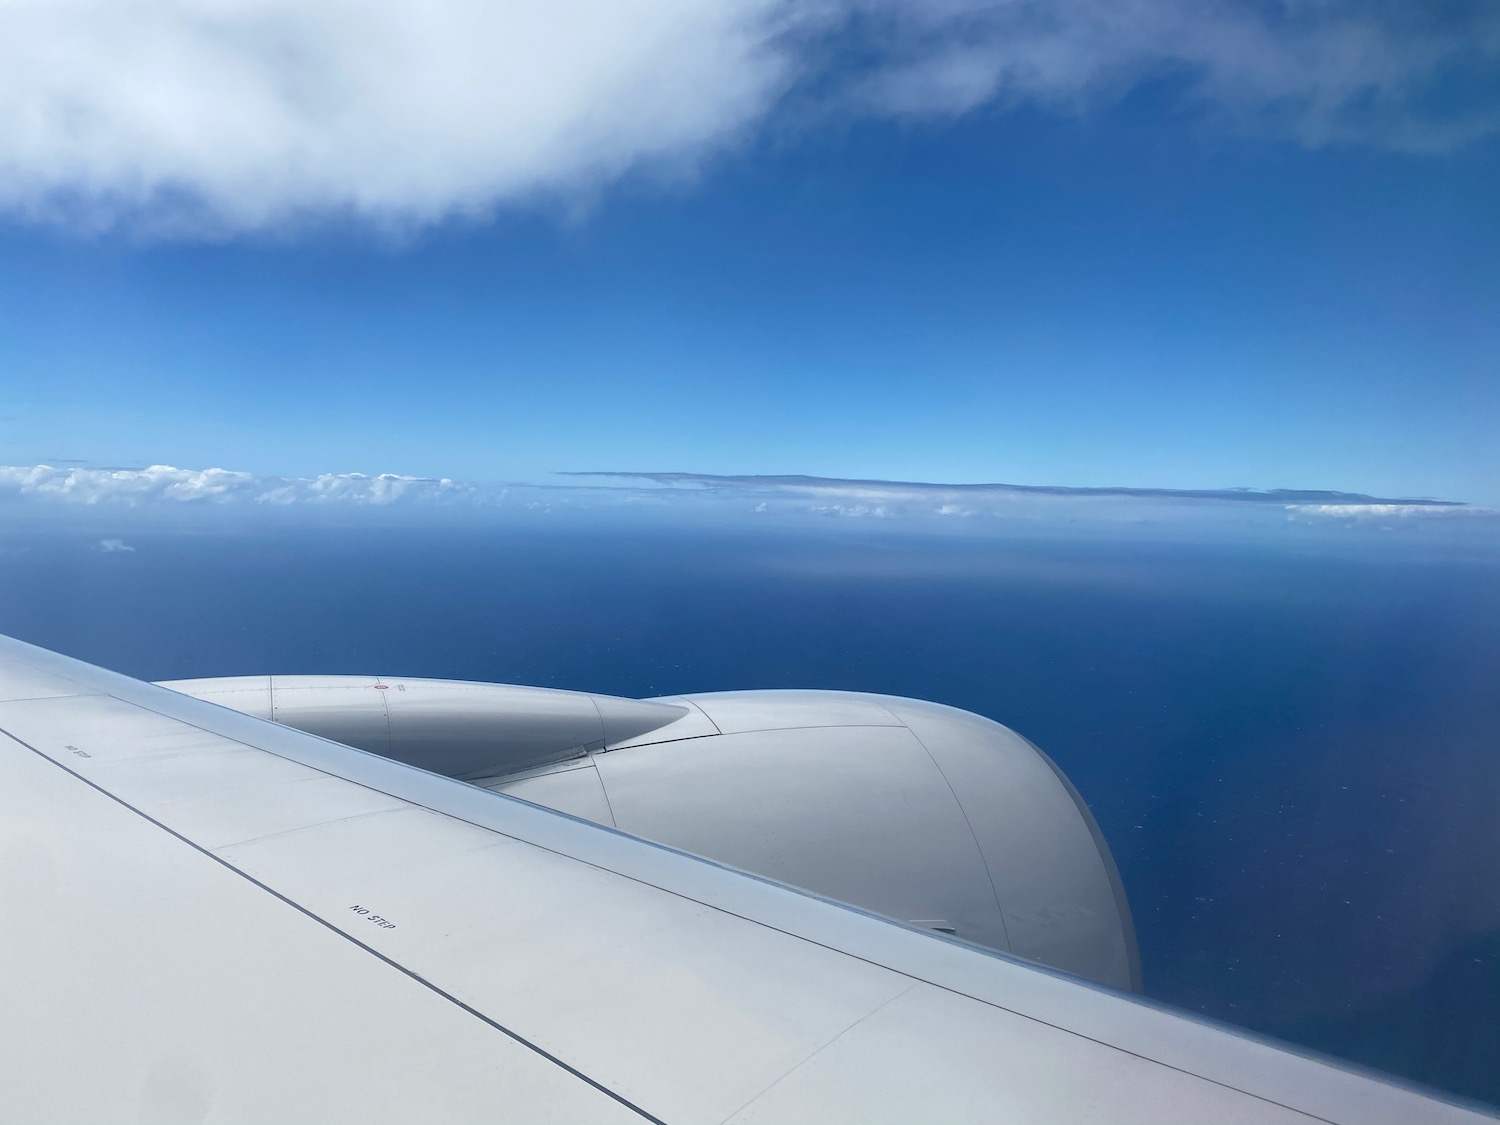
[[1293, 747]]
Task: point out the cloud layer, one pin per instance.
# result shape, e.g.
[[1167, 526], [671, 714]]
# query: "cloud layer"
[[702, 499], [950, 496], [166, 484], [211, 117]]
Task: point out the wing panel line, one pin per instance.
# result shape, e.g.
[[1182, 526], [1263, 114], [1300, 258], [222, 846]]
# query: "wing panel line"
[[448, 996]]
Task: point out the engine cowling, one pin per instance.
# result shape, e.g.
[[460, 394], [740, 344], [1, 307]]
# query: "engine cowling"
[[927, 814]]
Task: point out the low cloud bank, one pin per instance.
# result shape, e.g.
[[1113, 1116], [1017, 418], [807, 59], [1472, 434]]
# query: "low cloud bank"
[[160, 484], [1380, 512], [957, 499], [979, 509]]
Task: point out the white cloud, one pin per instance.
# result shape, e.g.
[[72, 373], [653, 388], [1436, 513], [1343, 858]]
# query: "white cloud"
[[1387, 513], [166, 484], [115, 546], [1396, 518], [1322, 70], [854, 511], [208, 117], [240, 114]]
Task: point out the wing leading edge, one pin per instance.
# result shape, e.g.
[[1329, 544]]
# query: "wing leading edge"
[[206, 916]]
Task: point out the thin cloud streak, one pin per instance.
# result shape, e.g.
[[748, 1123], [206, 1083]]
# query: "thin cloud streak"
[[1319, 71], [951, 495]]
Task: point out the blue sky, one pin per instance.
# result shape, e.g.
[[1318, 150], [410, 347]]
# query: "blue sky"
[[1160, 273]]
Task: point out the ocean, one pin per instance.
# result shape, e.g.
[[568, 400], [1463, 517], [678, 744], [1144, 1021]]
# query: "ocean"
[[1292, 746]]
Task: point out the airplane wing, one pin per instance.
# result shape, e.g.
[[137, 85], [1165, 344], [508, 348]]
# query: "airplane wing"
[[205, 916]]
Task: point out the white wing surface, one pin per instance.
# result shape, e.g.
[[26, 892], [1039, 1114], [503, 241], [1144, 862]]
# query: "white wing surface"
[[208, 917]]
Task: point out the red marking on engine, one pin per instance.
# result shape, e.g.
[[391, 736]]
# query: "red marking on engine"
[[381, 687]]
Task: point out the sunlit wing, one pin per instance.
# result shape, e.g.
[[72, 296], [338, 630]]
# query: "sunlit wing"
[[206, 916]]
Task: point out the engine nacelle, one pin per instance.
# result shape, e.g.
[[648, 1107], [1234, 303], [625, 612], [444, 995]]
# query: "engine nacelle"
[[924, 813]]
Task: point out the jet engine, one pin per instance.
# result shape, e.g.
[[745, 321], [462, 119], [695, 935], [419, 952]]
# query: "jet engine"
[[924, 813]]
